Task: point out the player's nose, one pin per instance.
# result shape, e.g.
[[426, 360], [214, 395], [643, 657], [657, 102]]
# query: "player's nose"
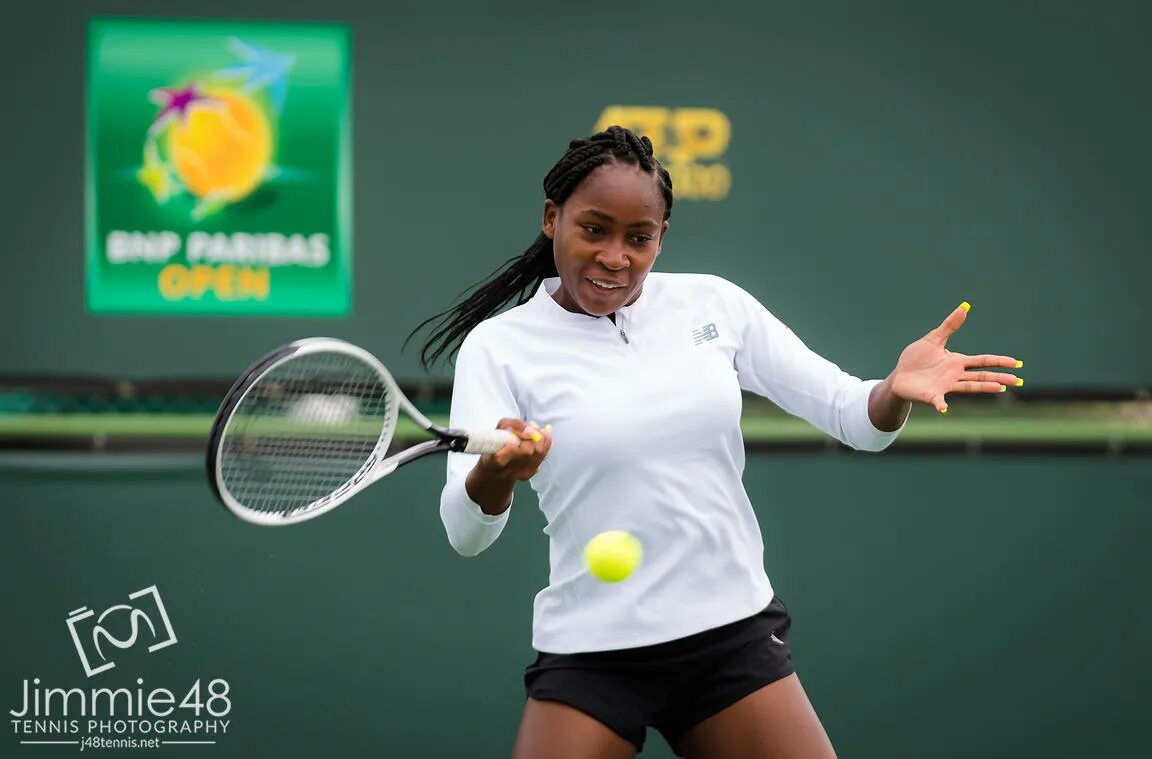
[[613, 257]]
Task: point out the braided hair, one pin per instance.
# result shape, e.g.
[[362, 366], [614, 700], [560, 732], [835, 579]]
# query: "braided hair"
[[518, 278]]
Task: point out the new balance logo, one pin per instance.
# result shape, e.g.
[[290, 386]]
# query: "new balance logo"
[[707, 332]]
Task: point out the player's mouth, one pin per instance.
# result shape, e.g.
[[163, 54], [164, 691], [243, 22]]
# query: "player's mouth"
[[606, 286]]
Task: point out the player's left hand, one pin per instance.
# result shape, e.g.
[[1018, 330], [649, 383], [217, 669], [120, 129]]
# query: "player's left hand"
[[927, 371]]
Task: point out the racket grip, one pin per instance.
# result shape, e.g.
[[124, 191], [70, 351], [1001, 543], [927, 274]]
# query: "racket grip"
[[489, 441]]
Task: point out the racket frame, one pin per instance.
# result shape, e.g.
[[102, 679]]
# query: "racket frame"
[[376, 465]]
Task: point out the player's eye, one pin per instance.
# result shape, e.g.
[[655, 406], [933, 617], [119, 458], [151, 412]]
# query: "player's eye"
[[593, 229], [642, 239]]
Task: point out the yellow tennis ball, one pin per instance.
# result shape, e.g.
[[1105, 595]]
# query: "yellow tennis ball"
[[612, 556]]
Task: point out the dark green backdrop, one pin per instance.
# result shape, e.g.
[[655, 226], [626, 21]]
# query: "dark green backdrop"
[[889, 159], [943, 607]]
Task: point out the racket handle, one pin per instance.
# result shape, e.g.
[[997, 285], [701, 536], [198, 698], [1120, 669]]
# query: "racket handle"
[[489, 441]]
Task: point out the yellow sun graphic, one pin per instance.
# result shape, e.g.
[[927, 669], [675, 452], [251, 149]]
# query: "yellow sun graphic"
[[222, 149]]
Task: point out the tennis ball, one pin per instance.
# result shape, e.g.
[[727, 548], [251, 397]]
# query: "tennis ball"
[[612, 556]]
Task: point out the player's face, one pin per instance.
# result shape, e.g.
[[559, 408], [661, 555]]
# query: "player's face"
[[606, 237]]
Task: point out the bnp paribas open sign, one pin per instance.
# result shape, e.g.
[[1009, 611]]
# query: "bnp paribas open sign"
[[218, 176]]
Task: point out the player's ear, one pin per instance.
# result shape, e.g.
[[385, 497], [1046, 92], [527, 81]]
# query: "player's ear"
[[548, 222], [660, 237]]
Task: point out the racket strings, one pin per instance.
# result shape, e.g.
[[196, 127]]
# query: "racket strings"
[[304, 429]]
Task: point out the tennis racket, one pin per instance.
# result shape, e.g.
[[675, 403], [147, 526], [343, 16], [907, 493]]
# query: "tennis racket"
[[308, 426]]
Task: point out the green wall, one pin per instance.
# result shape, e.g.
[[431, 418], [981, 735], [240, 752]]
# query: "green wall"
[[888, 160], [943, 607]]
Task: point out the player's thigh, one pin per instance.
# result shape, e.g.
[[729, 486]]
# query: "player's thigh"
[[552, 730], [774, 722]]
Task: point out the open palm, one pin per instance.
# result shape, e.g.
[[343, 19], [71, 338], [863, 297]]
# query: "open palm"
[[927, 371]]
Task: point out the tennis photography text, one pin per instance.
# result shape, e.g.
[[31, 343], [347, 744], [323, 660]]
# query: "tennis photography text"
[[198, 711]]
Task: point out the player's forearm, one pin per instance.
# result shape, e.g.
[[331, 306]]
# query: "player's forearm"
[[886, 410], [489, 490]]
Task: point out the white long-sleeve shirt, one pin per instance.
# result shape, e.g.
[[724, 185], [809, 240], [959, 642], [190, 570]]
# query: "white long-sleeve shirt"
[[646, 438]]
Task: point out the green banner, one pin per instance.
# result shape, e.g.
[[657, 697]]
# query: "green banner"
[[218, 175]]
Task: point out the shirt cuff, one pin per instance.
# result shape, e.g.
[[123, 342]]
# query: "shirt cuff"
[[865, 436], [469, 529]]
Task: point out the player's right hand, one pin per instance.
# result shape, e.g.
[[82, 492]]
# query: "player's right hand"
[[519, 460]]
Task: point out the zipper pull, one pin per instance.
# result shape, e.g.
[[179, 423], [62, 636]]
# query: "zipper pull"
[[623, 336]]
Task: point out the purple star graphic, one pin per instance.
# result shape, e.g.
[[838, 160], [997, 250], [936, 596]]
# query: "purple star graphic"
[[173, 103]]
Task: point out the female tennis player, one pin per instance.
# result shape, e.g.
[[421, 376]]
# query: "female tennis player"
[[624, 386]]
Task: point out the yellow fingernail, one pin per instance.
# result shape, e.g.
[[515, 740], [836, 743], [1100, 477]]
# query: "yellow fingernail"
[[1003, 388], [547, 427], [965, 305], [533, 424], [1019, 364], [944, 410], [537, 437], [1019, 382]]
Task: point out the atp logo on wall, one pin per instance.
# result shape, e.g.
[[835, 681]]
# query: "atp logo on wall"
[[689, 142], [218, 177]]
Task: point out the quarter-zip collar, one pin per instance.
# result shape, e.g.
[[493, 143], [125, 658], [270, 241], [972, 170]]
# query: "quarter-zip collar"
[[546, 306]]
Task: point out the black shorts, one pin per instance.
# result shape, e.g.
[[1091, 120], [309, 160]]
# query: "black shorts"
[[670, 686]]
